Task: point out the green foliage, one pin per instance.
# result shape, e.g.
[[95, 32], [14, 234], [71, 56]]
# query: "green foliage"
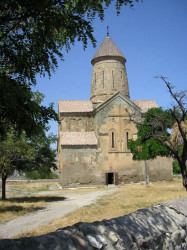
[[14, 152], [34, 175], [157, 121], [44, 157], [149, 149], [28, 155], [146, 147], [176, 167], [21, 108], [33, 33]]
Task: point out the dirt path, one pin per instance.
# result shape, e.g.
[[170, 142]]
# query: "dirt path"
[[50, 212]]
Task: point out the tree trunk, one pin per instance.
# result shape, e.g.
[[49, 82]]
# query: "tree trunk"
[[146, 173], [4, 177], [184, 178], [183, 166]]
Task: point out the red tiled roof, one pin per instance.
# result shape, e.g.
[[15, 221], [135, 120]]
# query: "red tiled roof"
[[74, 106], [145, 104], [78, 138]]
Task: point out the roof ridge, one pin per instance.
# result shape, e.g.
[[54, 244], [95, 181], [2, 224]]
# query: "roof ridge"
[[74, 101]]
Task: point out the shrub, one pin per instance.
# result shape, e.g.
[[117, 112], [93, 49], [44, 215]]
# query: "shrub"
[[176, 167]]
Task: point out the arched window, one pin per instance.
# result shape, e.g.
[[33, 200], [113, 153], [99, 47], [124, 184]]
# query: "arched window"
[[103, 79], [112, 139], [127, 136], [113, 79]]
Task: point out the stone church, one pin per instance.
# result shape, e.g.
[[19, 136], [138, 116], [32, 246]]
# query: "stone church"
[[93, 134]]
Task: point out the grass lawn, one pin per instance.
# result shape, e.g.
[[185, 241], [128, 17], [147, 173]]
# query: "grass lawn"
[[126, 200]]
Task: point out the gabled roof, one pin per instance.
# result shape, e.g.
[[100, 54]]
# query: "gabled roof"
[[145, 104], [77, 138], [108, 48], [67, 106], [116, 95]]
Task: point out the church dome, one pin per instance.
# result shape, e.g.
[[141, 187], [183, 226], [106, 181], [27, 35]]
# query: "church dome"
[[108, 49], [109, 72]]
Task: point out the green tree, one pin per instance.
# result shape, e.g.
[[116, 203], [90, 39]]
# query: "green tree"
[[29, 151], [14, 152], [164, 132], [21, 108], [33, 34], [18, 152], [44, 157]]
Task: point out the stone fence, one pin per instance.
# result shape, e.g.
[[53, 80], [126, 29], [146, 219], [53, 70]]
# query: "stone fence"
[[160, 227]]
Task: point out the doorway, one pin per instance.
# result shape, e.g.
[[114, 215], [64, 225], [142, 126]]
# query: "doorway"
[[111, 178]]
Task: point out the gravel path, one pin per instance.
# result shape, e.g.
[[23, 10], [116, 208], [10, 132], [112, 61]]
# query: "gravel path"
[[50, 212]]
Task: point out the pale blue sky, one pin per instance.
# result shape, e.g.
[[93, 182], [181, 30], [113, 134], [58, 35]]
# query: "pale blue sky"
[[153, 39]]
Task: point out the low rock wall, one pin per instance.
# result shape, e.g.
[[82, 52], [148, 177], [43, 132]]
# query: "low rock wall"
[[160, 227]]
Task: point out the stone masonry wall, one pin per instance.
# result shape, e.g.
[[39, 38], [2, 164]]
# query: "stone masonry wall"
[[160, 227], [76, 123], [78, 164], [108, 77]]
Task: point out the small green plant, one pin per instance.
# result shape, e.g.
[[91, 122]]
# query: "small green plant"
[[176, 167]]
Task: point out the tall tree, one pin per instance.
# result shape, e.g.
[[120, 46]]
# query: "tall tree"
[[164, 132], [32, 35], [14, 151], [26, 151]]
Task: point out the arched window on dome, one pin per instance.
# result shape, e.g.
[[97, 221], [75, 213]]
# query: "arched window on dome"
[[103, 79], [113, 79]]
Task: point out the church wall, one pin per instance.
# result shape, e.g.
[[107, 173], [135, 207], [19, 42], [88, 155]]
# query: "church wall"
[[78, 165], [76, 122], [114, 119]]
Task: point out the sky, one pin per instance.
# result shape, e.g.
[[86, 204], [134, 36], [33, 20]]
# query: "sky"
[[153, 38]]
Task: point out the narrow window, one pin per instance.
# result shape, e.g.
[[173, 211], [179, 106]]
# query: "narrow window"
[[112, 139], [127, 136], [103, 79], [121, 74], [95, 79], [113, 79]]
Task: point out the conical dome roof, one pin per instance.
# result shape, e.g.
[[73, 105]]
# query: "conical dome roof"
[[107, 48]]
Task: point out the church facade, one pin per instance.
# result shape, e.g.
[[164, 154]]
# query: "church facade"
[[93, 134]]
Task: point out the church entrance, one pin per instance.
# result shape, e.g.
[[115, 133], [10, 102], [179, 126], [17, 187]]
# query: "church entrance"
[[111, 178]]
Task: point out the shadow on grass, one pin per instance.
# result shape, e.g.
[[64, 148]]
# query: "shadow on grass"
[[36, 199], [17, 209]]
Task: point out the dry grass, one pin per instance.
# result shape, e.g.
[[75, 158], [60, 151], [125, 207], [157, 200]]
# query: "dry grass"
[[14, 207], [22, 200], [21, 188], [126, 200]]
